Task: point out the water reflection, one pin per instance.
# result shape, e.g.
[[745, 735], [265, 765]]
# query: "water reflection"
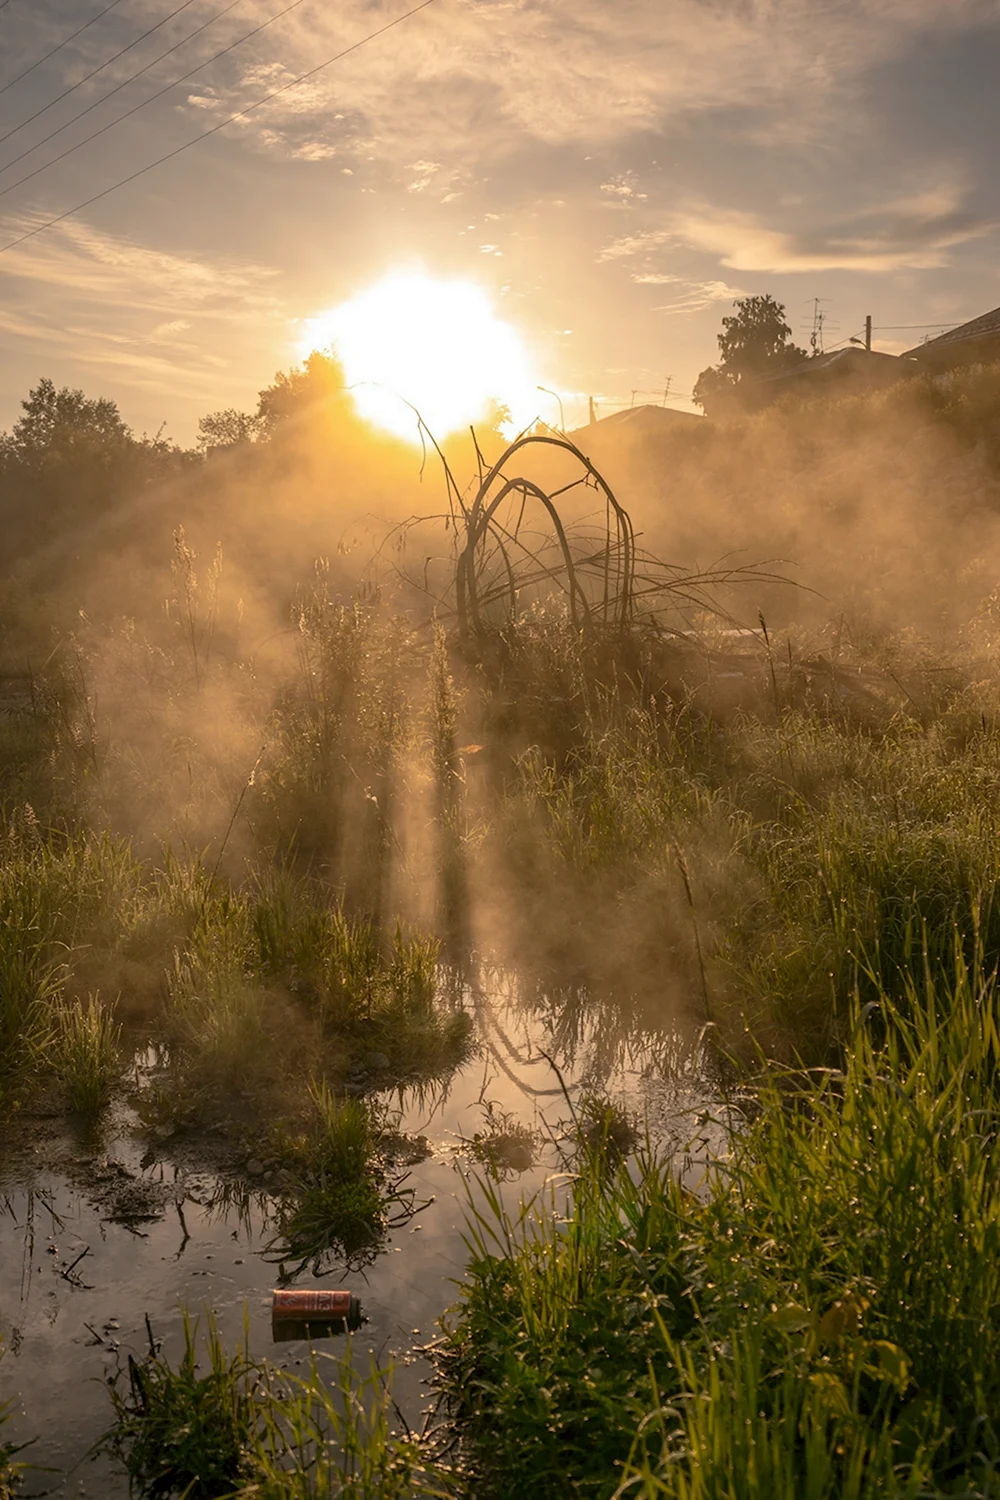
[[102, 1237]]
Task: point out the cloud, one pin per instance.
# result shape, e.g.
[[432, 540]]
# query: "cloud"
[[640, 243], [76, 257], [481, 76], [691, 296], [623, 188], [163, 322], [909, 234]]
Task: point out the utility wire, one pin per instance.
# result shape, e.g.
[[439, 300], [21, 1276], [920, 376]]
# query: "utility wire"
[[174, 82], [117, 90], [58, 48], [892, 327], [86, 79], [239, 115]]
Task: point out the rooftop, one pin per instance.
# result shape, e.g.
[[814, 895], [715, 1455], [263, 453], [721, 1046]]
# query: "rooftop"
[[984, 327]]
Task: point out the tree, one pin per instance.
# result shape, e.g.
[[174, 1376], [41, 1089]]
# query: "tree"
[[754, 342], [224, 431], [316, 387], [61, 428], [68, 459]]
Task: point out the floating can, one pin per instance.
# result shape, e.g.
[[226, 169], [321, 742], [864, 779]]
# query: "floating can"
[[299, 1314]]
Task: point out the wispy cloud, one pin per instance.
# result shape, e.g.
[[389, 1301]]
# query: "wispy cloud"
[[165, 322], [76, 257], [912, 233], [642, 242], [690, 296], [485, 75]]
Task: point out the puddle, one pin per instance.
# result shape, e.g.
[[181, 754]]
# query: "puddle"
[[92, 1246]]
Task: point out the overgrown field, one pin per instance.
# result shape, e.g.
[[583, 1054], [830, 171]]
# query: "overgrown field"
[[817, 887], [271, 870]]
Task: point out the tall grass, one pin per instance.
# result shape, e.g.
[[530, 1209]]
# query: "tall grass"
[[180, 1432], [330, 1436], [821, 1323], [237, 1426], [278, 982], [86, 1054]]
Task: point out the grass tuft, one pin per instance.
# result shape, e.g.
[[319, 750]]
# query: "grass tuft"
[[249, 1431], [86, 1054], [343, 1199], [181, 1433]]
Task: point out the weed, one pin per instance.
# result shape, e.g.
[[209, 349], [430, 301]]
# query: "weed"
[[249, 1431], [504, 1146], [342, 1200], [181, 1433], [819, 1324], [328, 1437], [605, 1131], [85, 1053]]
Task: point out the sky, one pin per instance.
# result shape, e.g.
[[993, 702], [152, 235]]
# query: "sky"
[[612, 173]]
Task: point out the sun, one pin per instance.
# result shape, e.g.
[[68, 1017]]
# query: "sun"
[[436, 344]]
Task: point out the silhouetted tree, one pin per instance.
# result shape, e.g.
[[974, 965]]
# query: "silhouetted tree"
[[227, 430], [754, 342], [61, 428], [67, 460], [313, 388], [294, 405]]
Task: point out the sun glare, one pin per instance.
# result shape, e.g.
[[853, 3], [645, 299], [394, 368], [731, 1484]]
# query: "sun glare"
[[436, 344]]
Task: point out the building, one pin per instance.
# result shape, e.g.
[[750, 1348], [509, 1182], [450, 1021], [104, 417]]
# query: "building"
[[841, 372], [974, 343]]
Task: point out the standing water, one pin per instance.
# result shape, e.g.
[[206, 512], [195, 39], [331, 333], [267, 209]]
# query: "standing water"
[[103, 1246]]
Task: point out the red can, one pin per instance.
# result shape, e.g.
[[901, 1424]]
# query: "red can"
[[297, 1314]]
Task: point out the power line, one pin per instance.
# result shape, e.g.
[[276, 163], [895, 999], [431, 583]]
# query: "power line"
[[117, 90], [58, 48], [174, 82], [86, 79], [214, 130], [892, 327]]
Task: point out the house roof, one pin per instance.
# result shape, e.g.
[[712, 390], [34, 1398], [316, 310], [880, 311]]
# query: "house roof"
[[847, 361], [984, 327], [648, 419]]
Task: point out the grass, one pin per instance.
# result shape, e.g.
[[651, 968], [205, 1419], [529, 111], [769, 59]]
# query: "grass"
[[244, 1429], [277, 984], [330, 1436], [821, 885], [821, 1323], [86, 1055], [179, 1432], [504, 1145], [344, 1196]]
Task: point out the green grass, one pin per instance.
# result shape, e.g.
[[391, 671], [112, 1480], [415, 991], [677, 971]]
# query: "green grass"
[[235, 1426], [344, 1195], [330, 1436], [179, 1432], [85, 1053], [503, 1145], [822, 1323], [277, 984]]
